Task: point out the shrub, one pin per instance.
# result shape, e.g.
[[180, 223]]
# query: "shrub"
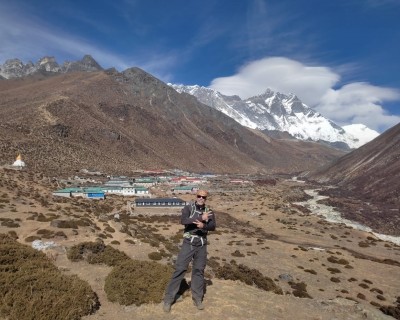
[[361, 296], [334, 270], [96, 253], [33, 288], [333, 259], [109, 229], [12, 234], [237, 253], [393, 310], [249, 276], [32, 238], [300, 290], [9, 223], [70, 224], [362, 244], [137, 282], [81, 250], [310, 271], [376, 290], [44, 233], [155, 256]]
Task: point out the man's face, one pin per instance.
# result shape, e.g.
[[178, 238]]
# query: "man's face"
[[201, 199]]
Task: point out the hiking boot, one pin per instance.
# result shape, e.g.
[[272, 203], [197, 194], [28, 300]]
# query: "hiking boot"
[[199, 305], [166, 307]]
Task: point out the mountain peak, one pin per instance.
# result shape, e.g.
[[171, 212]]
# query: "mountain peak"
[[45, 60], [119, 122], [282, 112], [15, 68]]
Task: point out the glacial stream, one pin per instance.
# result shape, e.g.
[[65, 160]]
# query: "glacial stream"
[[331, 215]]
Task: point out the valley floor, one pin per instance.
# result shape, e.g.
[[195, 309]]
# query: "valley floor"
[[347, 273]]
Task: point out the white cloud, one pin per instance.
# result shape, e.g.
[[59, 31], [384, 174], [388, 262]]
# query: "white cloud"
[[359, 102], [314, 85], [278, 74]]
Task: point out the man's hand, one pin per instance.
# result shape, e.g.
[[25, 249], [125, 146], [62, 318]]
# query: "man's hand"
[[199, 224], [206, 215]]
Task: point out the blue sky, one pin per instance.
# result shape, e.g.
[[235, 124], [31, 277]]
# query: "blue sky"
[[340, 57]]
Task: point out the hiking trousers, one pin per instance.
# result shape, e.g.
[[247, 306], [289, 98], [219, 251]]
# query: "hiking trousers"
[[187, 253]]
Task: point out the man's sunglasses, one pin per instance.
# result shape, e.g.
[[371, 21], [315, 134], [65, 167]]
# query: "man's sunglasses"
[[202, 197]]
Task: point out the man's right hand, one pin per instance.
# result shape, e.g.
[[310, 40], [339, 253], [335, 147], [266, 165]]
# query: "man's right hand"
[[205, 215]]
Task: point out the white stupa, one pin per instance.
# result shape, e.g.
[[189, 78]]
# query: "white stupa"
[[18, 162]]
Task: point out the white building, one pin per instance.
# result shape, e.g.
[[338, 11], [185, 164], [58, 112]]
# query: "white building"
[[18, 162], [125, 190]]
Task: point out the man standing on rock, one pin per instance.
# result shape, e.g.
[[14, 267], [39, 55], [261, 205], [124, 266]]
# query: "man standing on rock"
[[198, 220]]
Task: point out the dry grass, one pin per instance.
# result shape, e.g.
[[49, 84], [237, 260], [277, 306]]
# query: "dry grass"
[[260, 219], [31, 287]]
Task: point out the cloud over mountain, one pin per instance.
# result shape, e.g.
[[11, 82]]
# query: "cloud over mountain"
[[274, 111], [352, 103]]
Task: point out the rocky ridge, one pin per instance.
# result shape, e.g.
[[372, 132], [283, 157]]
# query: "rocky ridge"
[[118, 122], [15, 68]]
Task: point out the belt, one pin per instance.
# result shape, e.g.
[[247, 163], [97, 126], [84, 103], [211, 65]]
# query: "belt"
[[187, 235]]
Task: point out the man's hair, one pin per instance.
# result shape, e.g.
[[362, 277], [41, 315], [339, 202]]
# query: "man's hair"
[[203, 193]]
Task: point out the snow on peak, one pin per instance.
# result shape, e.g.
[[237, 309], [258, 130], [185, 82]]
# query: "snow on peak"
[[277, 111]]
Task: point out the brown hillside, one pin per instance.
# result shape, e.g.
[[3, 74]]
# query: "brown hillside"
[[119, 122], [370, 174]]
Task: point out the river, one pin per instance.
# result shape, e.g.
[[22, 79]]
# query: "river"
[[331, 215]]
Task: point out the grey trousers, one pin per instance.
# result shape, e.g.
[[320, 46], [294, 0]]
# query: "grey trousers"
[[187, 253]]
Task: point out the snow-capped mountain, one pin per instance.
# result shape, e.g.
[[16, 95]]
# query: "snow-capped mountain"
[[15, 68], [276, 111], [270, 111]]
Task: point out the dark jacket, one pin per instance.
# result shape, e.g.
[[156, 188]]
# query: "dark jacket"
[[193, 212]]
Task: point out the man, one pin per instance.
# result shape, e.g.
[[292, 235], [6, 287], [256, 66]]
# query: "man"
[[198, 220]]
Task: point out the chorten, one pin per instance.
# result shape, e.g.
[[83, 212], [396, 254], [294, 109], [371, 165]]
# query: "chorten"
[[18, 162]]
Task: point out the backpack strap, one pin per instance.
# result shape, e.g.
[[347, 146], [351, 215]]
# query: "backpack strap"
[[192, 209]]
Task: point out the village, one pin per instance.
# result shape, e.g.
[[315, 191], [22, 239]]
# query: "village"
[[150, 188]]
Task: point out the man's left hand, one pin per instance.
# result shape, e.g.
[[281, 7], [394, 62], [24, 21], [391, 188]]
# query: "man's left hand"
[[199, 224]]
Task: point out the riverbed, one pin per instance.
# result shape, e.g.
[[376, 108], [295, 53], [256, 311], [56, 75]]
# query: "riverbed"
[[330, 214]]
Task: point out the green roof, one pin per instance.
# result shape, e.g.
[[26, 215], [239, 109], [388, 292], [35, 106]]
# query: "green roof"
[[141, 188], [146, 180], [84, 190], [184, 188], [67, 190], [92, 190]]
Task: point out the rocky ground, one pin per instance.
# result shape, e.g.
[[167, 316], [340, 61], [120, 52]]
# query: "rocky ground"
[[325, 270], [382, 216]]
